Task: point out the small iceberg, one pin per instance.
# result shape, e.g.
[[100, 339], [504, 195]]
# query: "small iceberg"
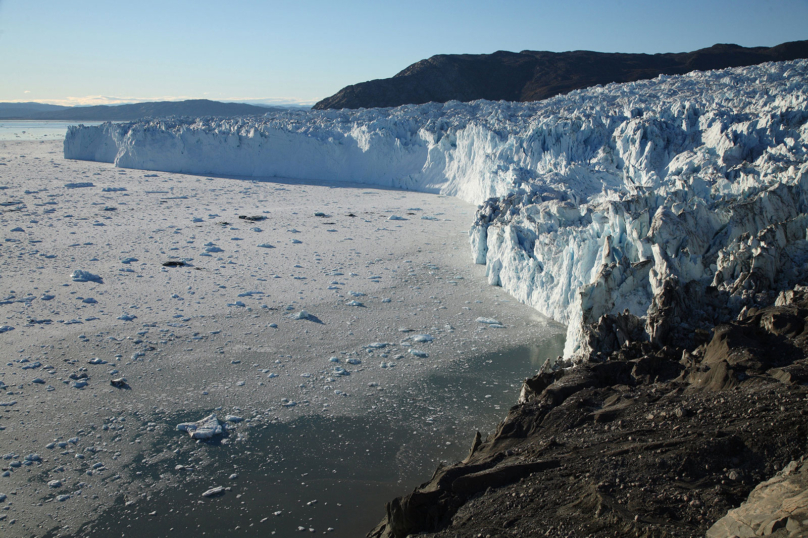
[[84, 276], [203, 429]]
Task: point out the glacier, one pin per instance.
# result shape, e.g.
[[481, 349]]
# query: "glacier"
[[647, 210]]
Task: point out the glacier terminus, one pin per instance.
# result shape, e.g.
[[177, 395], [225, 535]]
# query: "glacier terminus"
[[600, 208]]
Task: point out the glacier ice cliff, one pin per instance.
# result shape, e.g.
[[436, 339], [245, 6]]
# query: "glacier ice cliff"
[[648, 210]]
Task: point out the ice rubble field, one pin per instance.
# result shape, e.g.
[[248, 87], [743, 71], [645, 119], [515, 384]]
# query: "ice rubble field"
[[591, 200]]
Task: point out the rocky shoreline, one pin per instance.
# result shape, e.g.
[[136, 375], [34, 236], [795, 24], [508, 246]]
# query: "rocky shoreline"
[[647, 440]]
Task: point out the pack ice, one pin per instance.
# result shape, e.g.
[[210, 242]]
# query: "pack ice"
[[599, 208]]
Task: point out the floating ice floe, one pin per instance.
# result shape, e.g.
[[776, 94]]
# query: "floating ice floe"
[[419, 354], [354, 303], [80, 275], [301, 315], [421, 338], [213, 492], [202, 429], [488, 321], [5, 328], [127, 317], [395, 217]]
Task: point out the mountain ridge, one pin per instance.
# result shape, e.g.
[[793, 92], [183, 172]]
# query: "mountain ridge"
[[132, 112], [537, 75]]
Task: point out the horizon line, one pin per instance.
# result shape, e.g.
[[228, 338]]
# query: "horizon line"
[[100, 100]]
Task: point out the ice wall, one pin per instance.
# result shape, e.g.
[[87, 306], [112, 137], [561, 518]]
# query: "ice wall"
[[591, 203]]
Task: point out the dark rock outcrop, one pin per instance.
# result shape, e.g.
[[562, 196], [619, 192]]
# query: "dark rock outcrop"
[[647, 439], [537, 75]]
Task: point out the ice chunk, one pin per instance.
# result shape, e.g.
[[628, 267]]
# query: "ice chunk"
[[214, 492], [419, 354], [80, 275], [202, 429], [421, 338], [488, 321]]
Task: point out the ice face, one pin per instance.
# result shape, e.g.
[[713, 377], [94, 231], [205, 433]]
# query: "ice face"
[[591, 203]]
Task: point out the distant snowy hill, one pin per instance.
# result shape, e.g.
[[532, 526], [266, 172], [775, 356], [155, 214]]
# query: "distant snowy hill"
[[18, 110], [687, 193], [532, 75], [132, 112]]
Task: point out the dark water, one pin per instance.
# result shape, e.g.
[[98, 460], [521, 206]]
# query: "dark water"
[[327, 475]]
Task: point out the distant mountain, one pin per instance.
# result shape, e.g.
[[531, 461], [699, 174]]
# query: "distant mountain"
[[193, 108], [533, 76], [15, 110]]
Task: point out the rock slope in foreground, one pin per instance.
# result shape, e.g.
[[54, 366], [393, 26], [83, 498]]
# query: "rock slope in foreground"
[[645, 443], [536, 75], [693, 188]]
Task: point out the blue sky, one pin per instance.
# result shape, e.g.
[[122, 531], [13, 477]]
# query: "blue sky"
[[98, 52]]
